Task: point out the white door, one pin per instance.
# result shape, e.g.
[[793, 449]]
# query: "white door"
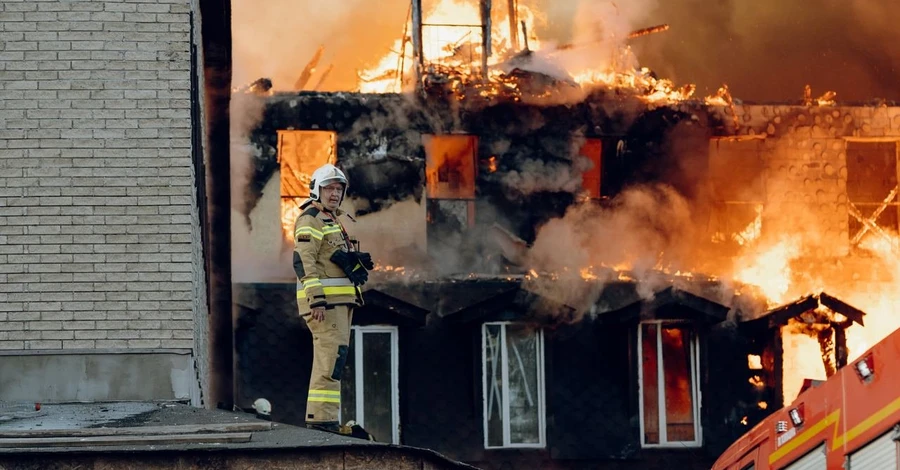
[[813, 460], [880, 454]]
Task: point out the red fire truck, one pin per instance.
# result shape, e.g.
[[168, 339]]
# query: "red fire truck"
[[848, 422]]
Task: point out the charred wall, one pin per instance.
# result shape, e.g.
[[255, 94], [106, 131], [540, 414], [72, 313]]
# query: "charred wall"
[[528, 165]]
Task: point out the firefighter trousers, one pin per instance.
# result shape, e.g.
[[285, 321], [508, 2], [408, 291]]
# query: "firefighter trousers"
[[331, 339]]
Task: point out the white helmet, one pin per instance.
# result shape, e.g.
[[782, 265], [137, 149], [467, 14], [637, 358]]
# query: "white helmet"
[[325, 175]]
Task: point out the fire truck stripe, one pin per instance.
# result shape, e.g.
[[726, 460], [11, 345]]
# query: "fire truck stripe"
[[866, 424], [813, 431], [837, 441]]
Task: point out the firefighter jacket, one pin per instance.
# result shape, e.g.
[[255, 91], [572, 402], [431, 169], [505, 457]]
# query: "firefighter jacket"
[[321, 282]]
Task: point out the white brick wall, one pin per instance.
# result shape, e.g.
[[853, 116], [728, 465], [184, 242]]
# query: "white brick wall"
[[95, 175]]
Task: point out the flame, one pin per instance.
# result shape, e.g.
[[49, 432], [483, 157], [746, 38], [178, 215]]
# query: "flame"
[[588, 274], [754, 362], [783, 271], [399, 270], [451, 36], [290, 210], [492, 164], [452, 49], [752, 231], [769, 269]]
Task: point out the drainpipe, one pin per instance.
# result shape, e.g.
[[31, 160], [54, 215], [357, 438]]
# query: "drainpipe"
[[215, 18]]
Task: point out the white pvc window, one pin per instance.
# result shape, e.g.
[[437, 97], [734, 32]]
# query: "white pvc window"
[[370, 388], [513, 386], [668, 363]]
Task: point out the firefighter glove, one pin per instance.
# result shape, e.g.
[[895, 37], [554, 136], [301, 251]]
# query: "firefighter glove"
[[351, 266], [366, 260]]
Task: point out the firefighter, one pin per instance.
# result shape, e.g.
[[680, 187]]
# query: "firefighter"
[[330, 271]]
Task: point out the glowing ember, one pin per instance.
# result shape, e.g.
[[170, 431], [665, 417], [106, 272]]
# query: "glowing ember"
[[754, 362], [492, 163], [587, 274]]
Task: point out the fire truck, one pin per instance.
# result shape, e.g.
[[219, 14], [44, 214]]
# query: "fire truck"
[[848, 422]]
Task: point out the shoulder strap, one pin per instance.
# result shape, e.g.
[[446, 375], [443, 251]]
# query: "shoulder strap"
[[311, 211]]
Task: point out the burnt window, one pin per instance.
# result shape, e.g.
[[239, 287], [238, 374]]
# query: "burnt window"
[[450, 166], [590, 178], [871, 190], [513, 385], [737, 190], [669, 390], [300, 153], [369, 389]]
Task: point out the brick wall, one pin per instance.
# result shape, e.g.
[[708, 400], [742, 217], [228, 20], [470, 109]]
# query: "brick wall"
[[95, 175]]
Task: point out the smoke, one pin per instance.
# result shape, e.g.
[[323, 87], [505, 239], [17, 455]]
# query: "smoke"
[[646, 228], [765, 50], [277, 39], [534, 176], [394, 236]]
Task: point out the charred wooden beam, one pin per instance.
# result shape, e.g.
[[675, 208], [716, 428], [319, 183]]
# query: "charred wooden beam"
[[485, 35], [845, 309], [840, 346], [514, 25], [647, 31], [418, 52], [826, 346], [323, 77], [217, 64], [310, 68]]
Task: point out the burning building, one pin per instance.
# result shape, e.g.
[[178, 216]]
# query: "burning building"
[[576, 267]]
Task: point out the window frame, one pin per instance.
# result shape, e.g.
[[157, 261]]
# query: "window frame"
[[661, 397], [541, 389], [358, 331], [874, 204]]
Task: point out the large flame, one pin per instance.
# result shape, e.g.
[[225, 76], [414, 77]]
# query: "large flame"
[[451, 38], [769, 268], [785, 270]]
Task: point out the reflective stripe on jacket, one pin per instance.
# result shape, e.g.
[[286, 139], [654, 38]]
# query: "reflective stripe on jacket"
[[317, 235]]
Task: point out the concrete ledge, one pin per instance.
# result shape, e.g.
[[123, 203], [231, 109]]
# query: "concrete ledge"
[[333, 458], [81, 352], [93, 376]]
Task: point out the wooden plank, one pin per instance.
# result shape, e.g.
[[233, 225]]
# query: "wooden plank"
[[139, 430], [218, 438]]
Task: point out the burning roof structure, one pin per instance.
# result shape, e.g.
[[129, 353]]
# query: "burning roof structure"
[[602, 207]]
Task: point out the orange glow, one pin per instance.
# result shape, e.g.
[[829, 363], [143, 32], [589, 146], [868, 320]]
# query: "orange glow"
[[457, 46], [492, 164], [754, 362], [769, 269], [587, 274], [450, 166], [451, 42], [300, 153]]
